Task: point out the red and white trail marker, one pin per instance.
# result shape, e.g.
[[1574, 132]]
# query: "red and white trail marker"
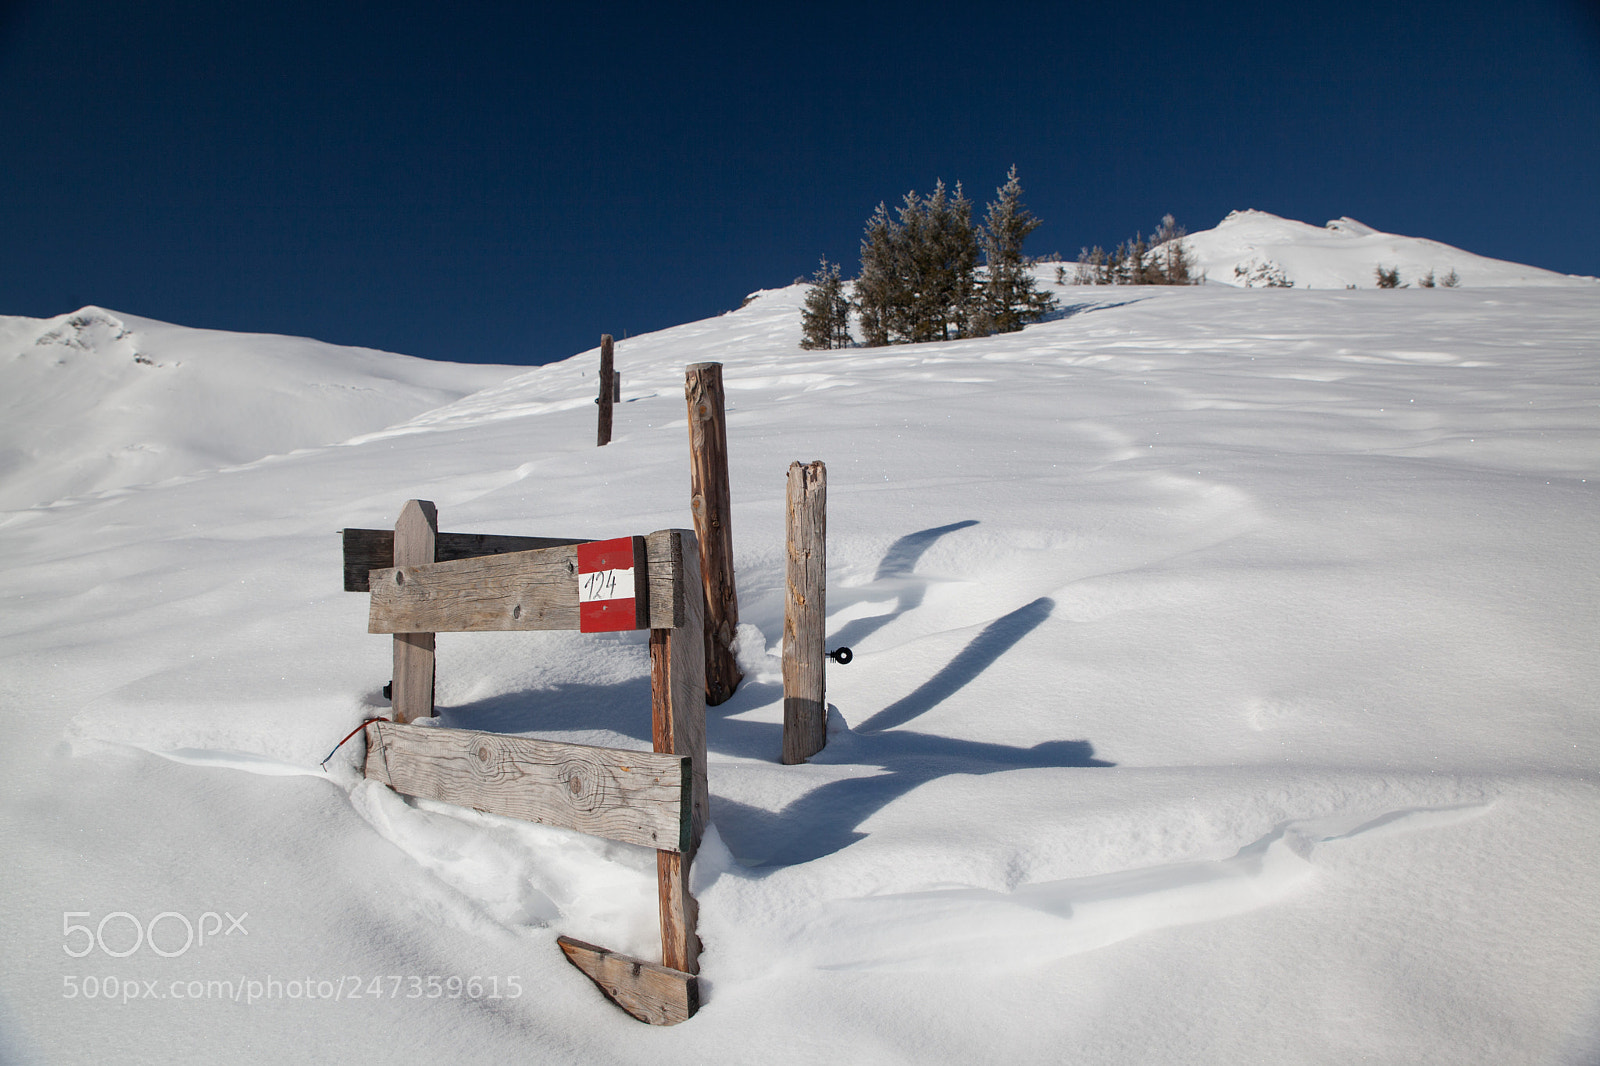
[[612, 588]]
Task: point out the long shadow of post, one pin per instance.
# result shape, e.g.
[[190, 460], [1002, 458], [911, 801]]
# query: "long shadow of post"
[[897, 570], [824, 820], [997, 638]]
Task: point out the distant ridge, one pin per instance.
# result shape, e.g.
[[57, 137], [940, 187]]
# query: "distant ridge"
[[97, 400], [1249, 247]]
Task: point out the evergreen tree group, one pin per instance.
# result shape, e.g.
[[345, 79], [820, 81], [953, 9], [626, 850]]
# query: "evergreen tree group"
[[920, 276], [1164, 259]]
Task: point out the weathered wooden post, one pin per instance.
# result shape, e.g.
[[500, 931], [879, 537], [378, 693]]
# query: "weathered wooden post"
[[678, 727], [805, 713], [412, 691], [713, 524], [607, 389]]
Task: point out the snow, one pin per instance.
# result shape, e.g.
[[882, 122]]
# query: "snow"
[[1345, 252], [1223, 692], [97, 400]]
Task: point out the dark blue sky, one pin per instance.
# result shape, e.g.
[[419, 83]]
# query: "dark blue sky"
[[504, 182]]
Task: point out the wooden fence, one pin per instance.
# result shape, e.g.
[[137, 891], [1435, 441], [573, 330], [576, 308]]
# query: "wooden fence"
[[424, 582]]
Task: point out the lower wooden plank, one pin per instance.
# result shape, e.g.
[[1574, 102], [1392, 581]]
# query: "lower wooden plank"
[[637, 797], [656, 994]]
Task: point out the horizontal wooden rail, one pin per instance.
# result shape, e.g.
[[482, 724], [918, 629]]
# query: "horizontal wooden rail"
[[373, 549], [525, 590], [637, 797]]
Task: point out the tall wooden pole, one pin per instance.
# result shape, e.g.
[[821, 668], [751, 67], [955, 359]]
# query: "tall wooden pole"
[[805, 714], [713, 524], [607, 389], [411, 696]]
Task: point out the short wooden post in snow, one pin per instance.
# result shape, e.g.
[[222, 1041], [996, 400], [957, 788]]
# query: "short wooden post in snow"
[[805, 713], [412, 688], [713, 524], [607, 389]]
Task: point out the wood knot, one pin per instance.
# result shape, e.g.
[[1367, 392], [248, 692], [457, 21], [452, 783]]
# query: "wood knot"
[[495, 761], [585, 781]]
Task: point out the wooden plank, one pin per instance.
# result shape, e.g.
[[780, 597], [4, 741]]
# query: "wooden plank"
[[678, 726], [366, 550], [659, 995], [530, 590], [805, 715], [637, 797], [411, 692], [496, 593], [713, 524], [605, 398]]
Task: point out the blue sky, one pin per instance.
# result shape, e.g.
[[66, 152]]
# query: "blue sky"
[[504, 182]]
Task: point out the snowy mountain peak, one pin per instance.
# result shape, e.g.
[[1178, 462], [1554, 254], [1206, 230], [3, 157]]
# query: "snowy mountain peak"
[[91, 329], [1350, 227], [1253, 248]]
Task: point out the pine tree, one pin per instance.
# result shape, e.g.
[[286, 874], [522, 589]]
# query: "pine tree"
[[918, 271], [1388, 279], [825, 319], [1092, 267], [1174, 263], [879, 288], [941, 252], [1010, 299]]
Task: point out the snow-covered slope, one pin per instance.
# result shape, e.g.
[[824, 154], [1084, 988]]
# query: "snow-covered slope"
[[1223, 693], [1251, 247], [97, 400]]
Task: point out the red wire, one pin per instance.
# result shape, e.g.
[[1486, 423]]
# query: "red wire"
[[364, 723]]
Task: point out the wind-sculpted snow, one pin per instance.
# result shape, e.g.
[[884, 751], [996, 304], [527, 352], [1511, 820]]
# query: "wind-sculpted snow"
[[1222, 693]]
